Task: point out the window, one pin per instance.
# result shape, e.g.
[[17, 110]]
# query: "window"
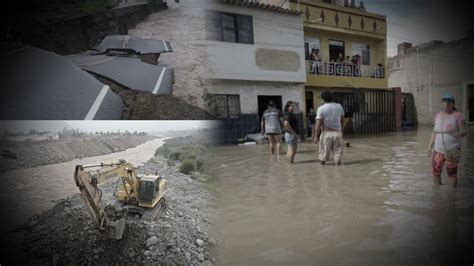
[[363, 50], [229, 27], [226, 106], [336, 48], [310, 44]]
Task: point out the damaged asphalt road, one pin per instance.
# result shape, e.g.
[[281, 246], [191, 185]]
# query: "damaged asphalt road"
[[42, 85], [39, 84]]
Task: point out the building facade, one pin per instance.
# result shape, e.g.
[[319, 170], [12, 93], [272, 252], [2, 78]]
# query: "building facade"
[[350, 44], [255, 54], [429, 70]]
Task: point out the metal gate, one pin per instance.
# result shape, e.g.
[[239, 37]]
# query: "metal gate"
[[370, 111]]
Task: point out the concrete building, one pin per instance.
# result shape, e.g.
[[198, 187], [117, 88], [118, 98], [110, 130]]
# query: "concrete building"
[[335, 27], [429, 70], [255, 53]]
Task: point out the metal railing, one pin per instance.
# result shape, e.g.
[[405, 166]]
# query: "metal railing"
[[344, 69]]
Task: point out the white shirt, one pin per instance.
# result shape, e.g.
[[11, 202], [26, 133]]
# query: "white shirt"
[[446, 125], [330, 114]]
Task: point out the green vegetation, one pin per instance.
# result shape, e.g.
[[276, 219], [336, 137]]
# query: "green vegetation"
[[191, 154]]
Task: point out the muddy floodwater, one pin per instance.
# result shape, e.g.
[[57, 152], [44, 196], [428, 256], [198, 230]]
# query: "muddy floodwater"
[[30, 191], [379, 208]]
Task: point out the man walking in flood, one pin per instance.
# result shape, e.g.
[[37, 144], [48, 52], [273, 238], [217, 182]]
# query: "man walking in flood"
[[329, 118]]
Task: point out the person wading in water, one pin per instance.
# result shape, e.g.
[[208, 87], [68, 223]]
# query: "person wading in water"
[[445, 142], [329, 118], [272, 119], [291, 131]]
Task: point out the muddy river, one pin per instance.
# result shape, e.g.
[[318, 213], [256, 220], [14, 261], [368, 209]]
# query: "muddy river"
[[379, 208], [30, 191]]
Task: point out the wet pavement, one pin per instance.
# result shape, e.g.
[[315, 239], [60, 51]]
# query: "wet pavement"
[[32, 190], [379, 208]]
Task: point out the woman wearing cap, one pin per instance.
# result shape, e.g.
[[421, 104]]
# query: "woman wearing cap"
[[445, 142]]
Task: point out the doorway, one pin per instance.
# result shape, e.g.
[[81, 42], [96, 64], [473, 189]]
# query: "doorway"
[[263, 102], [336, 47], [309, 100]]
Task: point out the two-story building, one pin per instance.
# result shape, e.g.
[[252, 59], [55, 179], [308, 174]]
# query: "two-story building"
[[255, 54], [345, 52]]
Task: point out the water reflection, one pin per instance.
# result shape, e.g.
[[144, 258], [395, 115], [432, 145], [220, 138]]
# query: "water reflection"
[[380, 207]]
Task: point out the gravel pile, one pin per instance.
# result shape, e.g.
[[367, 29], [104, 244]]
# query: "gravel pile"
[[65, 234]]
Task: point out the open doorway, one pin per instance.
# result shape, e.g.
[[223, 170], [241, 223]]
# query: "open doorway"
[[309, 100], [335, 47], [263, 102]]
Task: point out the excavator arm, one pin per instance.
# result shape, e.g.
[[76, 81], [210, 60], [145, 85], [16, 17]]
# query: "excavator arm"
[[92, 196], [136, 193]]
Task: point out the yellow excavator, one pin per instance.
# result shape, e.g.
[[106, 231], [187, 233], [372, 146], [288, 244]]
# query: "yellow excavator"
[[138, 194]]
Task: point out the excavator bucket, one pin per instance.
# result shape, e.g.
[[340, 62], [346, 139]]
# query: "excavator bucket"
[[114, 229]]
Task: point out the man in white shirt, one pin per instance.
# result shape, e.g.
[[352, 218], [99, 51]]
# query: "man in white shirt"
[[329, 120]]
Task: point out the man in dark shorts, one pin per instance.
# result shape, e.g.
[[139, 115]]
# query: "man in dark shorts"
[[271, 126], [291, 130]]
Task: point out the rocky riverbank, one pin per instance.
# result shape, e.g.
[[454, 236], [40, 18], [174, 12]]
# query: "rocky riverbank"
[[26, 154], [65, 234]]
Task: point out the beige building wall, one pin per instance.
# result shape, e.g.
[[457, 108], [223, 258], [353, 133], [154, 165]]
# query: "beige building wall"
[[429, 72]]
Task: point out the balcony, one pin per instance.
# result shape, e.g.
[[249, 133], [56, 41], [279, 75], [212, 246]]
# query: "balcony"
[[344, 70]]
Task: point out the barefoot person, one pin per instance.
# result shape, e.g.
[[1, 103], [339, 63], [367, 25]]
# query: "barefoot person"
[[329, 119], [291, 131], [449, 128], [271, 126]]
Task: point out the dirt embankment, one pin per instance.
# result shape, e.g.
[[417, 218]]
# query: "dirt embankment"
[[66, 234], [141, 105], [26, 154]]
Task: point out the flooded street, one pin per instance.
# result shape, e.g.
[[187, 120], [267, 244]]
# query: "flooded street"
[[379, 208], [33, 190]]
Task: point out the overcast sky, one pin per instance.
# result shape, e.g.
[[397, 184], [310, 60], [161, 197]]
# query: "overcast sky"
[[92, 126], [420, 21]]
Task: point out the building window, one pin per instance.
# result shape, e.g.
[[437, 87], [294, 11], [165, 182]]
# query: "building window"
[[336, 50], [226, 106], [309, 45], [229, 27], [363, 50]]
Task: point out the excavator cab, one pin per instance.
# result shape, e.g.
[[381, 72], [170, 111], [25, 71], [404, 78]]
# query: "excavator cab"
[[151, 189]]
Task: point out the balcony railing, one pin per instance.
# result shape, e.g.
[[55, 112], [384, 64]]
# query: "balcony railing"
[[344, 70]]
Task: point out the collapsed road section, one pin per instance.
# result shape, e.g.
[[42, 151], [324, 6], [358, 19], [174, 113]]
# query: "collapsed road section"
[[39, 84], [128, 72], [42, 85]]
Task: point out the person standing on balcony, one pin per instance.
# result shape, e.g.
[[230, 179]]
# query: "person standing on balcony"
[[271, 126], [315, 58], [291, 130], [348, 66], [329, 119], [445, 142]]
